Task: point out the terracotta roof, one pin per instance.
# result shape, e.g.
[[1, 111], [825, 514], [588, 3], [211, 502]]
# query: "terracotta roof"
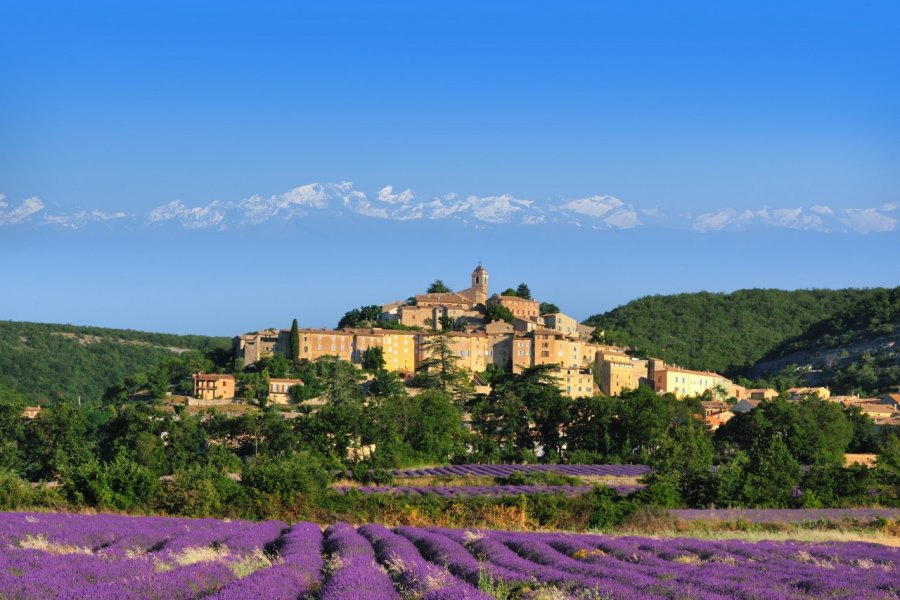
[[211, 376], [443, 297], [277, 380], [704, 373]]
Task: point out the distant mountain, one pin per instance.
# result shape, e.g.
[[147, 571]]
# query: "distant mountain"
[[855, 349], [727, 333], [41, 361]]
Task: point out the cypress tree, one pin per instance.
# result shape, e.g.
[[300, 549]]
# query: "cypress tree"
[[295, 342]]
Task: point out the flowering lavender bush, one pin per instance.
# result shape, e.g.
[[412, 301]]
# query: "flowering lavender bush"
[[507, 470], [45, 556], [463, 491]]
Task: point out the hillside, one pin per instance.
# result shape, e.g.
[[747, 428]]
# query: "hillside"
[[41, 361], [727, 333], [855, 349]]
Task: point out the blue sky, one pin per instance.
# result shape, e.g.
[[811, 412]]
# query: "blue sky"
[[209, 167]]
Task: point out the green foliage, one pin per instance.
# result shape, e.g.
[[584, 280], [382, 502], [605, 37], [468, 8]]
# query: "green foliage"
[[523, 292], [18, 494], [408, 430], [727, 333], [509, 292], [439, 369], [814, 430], [772, 475], [438, 287], [298, 473], [547, 308], [373, 359], [364, 316], [498, 312], [43, 362]]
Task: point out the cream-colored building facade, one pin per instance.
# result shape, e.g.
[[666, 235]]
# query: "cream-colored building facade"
[[684, 383], [280, 389], [561, 323]]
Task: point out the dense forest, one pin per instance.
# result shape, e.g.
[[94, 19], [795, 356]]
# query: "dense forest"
[[726, 333], [857, 349], [40, 362]]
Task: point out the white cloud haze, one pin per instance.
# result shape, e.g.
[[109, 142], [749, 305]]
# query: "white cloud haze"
[[341, 199]]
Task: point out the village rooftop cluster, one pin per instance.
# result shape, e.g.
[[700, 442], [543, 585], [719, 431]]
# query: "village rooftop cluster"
[[579, 362]]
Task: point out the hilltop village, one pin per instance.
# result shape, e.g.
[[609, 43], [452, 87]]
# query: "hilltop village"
[[489, 332]]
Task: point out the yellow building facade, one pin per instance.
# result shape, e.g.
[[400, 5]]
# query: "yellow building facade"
[[575, 383], [213, 387], [618, 372]]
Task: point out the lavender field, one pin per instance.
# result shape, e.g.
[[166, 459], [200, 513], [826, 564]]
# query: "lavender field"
[[105, 556], [492, 491], [505, 470]]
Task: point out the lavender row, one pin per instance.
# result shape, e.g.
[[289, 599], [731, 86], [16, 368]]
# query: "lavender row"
[[465, 491], [673, 568], [507, 470], [352, 566], [298, 574], [785, 515], [414, 575]]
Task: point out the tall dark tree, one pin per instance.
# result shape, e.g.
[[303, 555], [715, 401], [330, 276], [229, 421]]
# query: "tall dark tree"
[[295, 341], [523, 292]]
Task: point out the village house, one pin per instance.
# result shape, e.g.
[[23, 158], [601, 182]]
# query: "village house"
[[31, 412], [619, 371], [683, 382], [745, 405], [251, 347], [761, 394], [208, 386], [279, 390], [798, 392]]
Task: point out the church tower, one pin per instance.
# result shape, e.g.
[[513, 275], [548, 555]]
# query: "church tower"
[[480, 284]]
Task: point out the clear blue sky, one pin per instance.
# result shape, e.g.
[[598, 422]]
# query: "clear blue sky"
[[209, 167]]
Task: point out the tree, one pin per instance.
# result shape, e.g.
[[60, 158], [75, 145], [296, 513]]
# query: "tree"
[[337, 426], [589, 432], [509, 292], [548, 308], [373, 359], [295, 342], [772, 475], [498, 312], [523, 292], [361, 317], [438, 287], [439, 369]]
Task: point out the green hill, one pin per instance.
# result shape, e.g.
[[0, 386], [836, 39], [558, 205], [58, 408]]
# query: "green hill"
[[41, 361], [727, 333], [855, 349]]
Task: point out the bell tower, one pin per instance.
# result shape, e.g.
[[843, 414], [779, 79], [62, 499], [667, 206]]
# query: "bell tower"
[[480, 283]]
